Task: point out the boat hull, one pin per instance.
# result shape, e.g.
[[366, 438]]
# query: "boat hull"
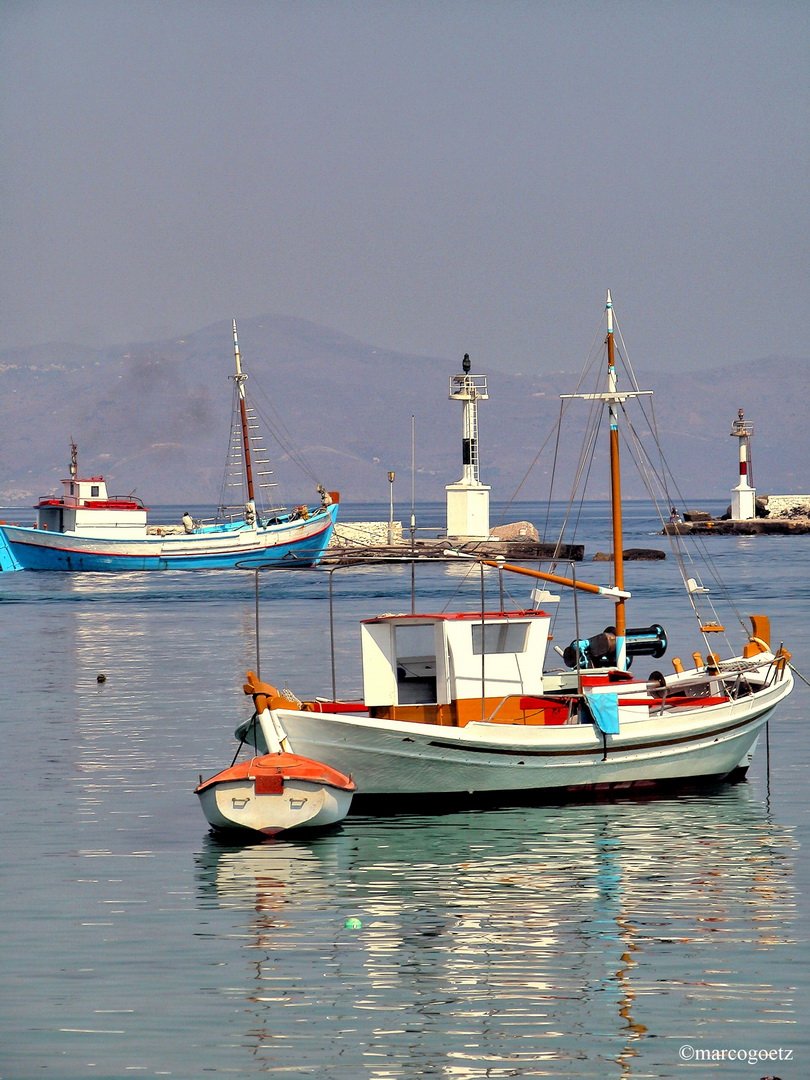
[[234, 805], [392, 760], [261, 796], [302, 542]]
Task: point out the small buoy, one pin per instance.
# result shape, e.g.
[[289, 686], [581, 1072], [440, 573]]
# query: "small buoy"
[[353, 924], [101, 678]]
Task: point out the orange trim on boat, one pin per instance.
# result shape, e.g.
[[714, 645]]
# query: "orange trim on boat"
[[333, 706], [271, 770]]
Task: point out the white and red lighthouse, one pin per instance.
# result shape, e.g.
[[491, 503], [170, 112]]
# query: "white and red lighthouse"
[[744, 495]]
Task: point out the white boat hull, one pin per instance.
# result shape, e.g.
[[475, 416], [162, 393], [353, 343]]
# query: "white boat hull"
[[302, 805], [392, 758], [276, 793]]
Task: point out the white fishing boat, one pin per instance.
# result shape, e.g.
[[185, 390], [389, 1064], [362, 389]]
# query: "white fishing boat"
[[476, 703], [85, 528], [278, 791]]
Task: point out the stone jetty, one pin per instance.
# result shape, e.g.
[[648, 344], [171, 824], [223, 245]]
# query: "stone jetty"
[[776, 515]]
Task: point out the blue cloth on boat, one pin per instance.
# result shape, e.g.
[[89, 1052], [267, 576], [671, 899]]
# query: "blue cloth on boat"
[[7, 559], [604, 708]]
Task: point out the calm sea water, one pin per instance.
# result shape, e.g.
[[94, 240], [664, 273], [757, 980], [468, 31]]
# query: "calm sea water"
[[664, 938]]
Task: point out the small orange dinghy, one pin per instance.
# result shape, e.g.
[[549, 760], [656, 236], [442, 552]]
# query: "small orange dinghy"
[[278, 791]]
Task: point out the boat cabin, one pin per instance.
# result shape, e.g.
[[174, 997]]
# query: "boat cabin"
[[453, 668], [86, 508]]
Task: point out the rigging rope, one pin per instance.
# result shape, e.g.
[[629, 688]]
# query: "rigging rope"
[[275, 428]]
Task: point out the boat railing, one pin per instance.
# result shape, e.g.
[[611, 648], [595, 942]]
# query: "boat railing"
[[742, 427], [277, 515], [732, 675], [468, 387]]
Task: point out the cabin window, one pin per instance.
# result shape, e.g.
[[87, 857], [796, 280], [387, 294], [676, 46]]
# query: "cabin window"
[[499, 638], [94, 491]]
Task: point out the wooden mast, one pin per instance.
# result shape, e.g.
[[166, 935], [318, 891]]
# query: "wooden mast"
[[616, 492], [240, 378]]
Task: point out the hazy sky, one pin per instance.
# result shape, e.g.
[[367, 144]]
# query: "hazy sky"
[[433, 177]]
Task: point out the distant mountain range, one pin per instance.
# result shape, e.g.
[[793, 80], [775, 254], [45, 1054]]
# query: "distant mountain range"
[[154, 419]]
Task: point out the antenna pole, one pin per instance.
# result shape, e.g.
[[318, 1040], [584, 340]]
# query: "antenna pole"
[[413, 514], [256, 603]]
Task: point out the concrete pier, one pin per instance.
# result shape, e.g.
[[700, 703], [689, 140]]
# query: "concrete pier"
[[368, 539]]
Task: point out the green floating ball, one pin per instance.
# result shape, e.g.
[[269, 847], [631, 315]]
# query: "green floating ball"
[[353, 924]]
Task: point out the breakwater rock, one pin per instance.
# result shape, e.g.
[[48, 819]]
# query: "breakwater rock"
[[632, 555], [781, 526]]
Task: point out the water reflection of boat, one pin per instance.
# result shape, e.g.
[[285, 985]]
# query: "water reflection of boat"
[[87, 529], [276, 792], [543, 925], [458, 704]]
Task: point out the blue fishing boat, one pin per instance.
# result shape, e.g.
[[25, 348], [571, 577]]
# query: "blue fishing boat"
[[86, 529]]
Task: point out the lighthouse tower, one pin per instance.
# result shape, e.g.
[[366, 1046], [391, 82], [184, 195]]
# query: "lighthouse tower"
[[468, 500], [743, 496]]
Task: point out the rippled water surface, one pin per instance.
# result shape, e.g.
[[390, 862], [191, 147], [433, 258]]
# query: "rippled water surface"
[[625, 939]]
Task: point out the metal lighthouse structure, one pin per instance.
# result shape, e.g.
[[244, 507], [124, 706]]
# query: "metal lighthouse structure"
[[468, 499], [743, 496]]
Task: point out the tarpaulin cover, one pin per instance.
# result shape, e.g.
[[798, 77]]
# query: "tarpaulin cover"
[[604, 708]]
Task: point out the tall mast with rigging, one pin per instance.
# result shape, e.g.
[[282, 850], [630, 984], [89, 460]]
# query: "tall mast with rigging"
[[240, 378], [615, 489], [613, 398]]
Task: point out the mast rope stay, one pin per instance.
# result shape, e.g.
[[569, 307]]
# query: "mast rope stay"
[[660, 495], [278, 430], [261, 421]]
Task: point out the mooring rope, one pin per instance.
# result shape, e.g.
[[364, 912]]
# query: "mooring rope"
[[799, 674]]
